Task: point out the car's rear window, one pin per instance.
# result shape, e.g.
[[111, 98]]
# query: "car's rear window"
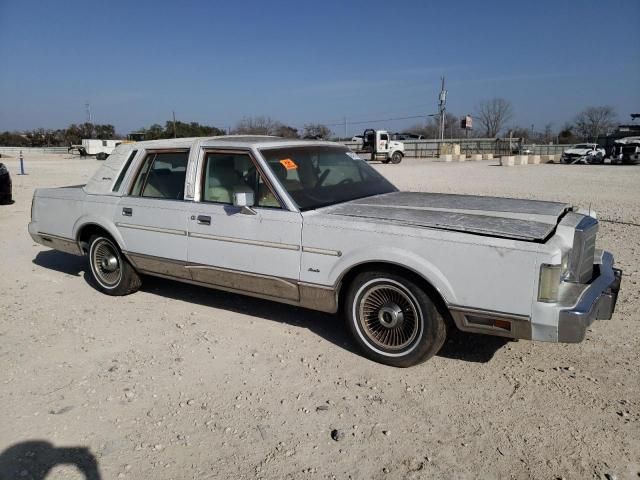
[[123, 172]]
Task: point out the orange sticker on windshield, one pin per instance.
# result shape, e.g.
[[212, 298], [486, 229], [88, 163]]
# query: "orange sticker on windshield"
[[289, 164]]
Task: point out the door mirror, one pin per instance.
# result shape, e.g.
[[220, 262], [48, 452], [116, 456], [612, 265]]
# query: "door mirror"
[[245, 200]]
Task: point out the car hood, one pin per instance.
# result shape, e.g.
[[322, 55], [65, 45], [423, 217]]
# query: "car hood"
[[528, 220]]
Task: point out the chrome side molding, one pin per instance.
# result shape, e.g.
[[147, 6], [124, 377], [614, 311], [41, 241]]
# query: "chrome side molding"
[[67, 245], [134, 226], [219, 238], [322, 251]]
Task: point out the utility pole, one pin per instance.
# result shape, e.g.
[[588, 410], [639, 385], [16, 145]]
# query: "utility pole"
[[87, 109], [442, 102], [174, 124], [345, 128]]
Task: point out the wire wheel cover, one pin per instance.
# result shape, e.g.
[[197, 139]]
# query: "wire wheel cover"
[[389, 317], [106, 263]]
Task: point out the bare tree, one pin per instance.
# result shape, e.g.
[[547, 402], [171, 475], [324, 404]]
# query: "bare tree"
[[566, 135], [316, 130], [493, 114], [286, 131], [595, 121], [431, 129], [257, 126]]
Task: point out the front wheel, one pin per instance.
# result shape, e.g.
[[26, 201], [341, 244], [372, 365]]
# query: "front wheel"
[[393, 320], [396, 158], [112, 273]]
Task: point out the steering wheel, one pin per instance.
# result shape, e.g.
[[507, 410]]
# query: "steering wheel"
[[345, 181]]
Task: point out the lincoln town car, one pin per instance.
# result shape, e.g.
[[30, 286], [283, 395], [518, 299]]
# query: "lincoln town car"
[[309, 223]]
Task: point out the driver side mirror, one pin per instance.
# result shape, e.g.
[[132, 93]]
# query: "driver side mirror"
[[245, 200]]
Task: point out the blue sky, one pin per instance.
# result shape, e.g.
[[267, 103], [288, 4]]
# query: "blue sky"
[[298, 62]]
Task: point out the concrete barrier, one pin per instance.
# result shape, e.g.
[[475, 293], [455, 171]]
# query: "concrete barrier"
[[534, 159], [548, 158], [487, 156], [476, 157], [508, 161], [461, 158], [522, 159], [446, 158]]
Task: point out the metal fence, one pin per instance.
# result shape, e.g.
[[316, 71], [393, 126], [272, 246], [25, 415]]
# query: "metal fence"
[[469, 146], [15, 151]]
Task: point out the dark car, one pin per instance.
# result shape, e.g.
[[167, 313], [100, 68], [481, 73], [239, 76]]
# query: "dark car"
[[5, 185]]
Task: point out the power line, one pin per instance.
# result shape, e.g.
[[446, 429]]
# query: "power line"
[[362, 122]]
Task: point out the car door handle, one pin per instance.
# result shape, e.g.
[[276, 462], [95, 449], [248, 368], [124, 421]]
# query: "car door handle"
[[127, 212], [204, 219]]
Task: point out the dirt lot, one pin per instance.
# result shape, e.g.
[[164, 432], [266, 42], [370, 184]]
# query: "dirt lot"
[[183, 382]]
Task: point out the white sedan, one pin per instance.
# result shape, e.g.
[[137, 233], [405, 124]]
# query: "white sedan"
[[311, 224], [584, 153]]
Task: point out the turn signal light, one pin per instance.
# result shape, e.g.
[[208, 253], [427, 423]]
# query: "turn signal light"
[[549, 285]]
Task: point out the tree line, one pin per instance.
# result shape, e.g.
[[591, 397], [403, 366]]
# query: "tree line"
[[492, 116], [72, 135]]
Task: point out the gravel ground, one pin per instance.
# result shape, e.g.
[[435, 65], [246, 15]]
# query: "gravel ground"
[[181, 382]]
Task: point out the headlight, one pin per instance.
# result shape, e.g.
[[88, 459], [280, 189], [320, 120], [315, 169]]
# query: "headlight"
[[549, 284]]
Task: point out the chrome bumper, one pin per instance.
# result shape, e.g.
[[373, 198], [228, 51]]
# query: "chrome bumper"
[[597, 301]]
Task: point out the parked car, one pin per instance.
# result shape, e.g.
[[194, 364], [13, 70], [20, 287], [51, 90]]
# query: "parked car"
[[586, 152], [5, 185], [309, 223], [522, 150], [406, 136]]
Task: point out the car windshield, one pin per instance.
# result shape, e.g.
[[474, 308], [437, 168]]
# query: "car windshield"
[[583, 145], [318, 176]]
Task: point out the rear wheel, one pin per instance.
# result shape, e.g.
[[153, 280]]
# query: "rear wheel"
[[112, 273], [393, 320]]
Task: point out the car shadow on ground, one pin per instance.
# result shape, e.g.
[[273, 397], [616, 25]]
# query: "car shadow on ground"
[[459, 345], [34, 459]]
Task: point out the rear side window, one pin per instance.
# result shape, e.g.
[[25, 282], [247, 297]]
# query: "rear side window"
[[162, 175], [123, 172]]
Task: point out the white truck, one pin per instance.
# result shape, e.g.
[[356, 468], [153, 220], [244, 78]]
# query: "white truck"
[[378, 144], [308, 223], [626, 150]]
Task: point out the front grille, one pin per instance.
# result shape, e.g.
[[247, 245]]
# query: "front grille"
[[584, 247]]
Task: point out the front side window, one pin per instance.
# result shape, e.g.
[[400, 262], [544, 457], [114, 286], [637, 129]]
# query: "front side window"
[[317, 176], [162, 175], [227, 173]]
